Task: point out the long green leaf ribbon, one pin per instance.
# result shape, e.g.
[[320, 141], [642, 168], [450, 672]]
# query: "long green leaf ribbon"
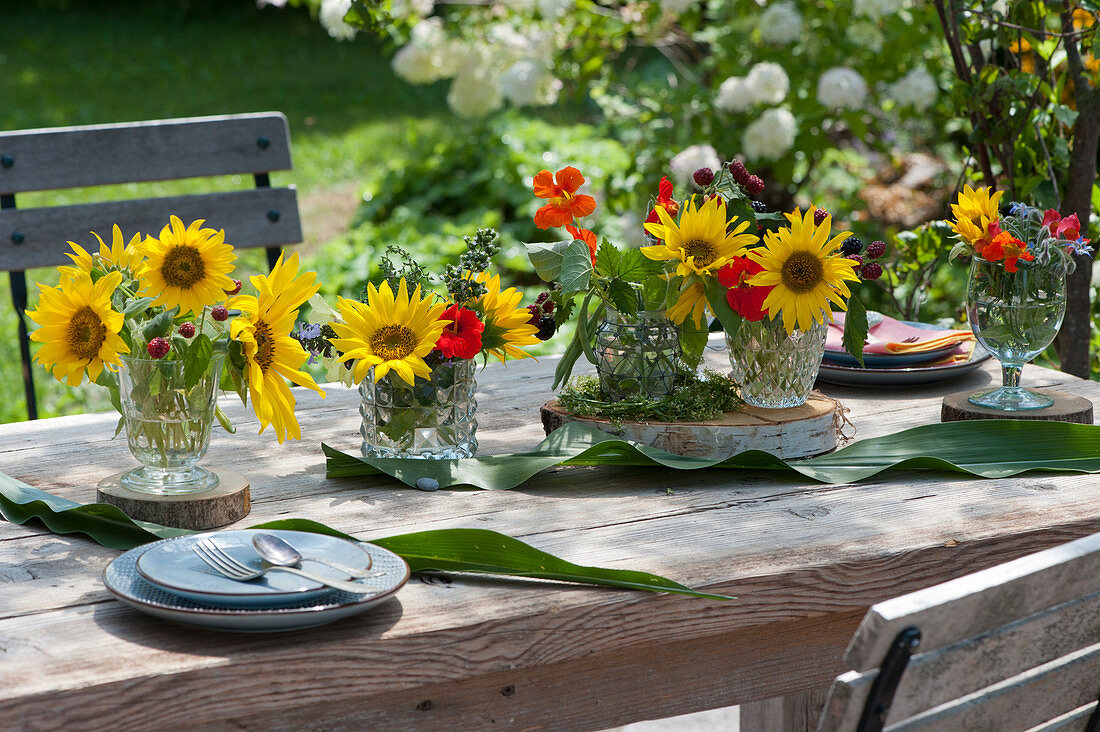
[[446, 550], [983, 448]]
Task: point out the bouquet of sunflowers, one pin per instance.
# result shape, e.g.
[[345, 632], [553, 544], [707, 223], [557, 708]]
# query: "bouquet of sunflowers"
[[171, 300]]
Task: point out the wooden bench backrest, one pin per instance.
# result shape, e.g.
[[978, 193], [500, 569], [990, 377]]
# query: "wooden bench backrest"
[[137, 152], [1013, 647]]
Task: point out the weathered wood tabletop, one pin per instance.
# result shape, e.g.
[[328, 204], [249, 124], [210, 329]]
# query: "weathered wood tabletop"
[[805, 561]]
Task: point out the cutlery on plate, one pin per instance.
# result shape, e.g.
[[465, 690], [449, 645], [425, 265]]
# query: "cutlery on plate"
[[218, 560], [276, 550]]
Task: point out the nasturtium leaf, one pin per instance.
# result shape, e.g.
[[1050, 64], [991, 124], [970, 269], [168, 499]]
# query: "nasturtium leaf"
[[576, 267], [546, 258]]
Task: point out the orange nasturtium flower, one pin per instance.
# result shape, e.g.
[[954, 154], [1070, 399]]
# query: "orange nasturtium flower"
[[565, 203]]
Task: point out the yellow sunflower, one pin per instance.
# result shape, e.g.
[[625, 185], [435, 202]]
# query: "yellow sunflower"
[[506, 321], [187, 267], [270, 354], [974, 212], [693, 302], [79, 329], [702, 242], [802, 265], [389, 332], [128, 258]]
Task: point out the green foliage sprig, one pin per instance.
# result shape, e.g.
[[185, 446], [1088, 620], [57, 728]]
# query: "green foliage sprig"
[[697, 399]]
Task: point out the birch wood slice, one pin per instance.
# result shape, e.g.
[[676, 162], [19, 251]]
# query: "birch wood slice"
[[223, 504], [1066, 408], [809, 429]]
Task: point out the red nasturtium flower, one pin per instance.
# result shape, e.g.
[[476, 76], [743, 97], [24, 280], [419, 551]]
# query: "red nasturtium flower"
[[586, 236], [744, 299], [665, 201], [462, 337], [565, 203]]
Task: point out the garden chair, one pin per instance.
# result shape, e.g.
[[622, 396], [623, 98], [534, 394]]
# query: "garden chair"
[[1013, 647], [137, 152]]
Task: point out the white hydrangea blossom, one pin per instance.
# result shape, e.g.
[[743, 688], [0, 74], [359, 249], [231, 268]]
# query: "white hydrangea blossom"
[[475, 92], [676, 7], [917, 89], [430, 56], [866, 35], [780, 23], [527, 83], [554, 8], [733, 95], [770, 136], [331, 17], [876, 9], [767, 83], [405, 8], [687, 161], [841, 88]]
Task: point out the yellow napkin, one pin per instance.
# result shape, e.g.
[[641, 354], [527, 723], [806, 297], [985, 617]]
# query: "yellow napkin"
[[959, 336]]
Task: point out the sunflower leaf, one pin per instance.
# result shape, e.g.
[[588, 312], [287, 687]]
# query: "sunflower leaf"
[[716, 298], [855, 328], [196, 359], [138, 306], [576, 267]]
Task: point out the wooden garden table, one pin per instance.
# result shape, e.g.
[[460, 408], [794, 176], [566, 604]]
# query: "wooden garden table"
[[804, 560]]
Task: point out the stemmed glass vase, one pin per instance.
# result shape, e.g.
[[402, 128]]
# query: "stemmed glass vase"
[[1015, 315]]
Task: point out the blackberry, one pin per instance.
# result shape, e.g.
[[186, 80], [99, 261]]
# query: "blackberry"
[[876, 249], [857, 259], [547, 327], [759, 207], [536, 314], [819, 216], [703, 177], [187, 330], [739, 173], [219, 313], [158, 348], [871, 271], [754, 185], [853, 245]]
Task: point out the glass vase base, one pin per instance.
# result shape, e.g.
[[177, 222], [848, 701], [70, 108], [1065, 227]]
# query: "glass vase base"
[[155, 481], [1009, 399]]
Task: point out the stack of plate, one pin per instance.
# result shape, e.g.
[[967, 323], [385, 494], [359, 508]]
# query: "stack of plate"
[[169, 580]]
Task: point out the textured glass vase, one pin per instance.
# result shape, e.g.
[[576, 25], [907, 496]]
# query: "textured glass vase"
[[432, 419], [637, 356], [168, 412], [775, 370], [1015, 315]]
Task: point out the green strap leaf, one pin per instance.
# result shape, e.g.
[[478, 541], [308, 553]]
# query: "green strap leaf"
[[855, 328], [477, 551], [987, 449]]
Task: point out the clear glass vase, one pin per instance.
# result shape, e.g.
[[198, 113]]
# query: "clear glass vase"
[[433, 419], [168, 412], [1015, 315], [775, 370], [637, 356]]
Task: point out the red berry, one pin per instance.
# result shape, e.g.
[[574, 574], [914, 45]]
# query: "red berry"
[[548, 306], [739, 173], [536, 314], [857, 259], [819, 216], [871, 271], [236, 288], [703, 177], [876, 249], [219, 313], [754, 185], [187, 330], [158, 348]]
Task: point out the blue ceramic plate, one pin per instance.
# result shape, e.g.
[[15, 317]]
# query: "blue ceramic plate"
[[174, 566], [123, 581]]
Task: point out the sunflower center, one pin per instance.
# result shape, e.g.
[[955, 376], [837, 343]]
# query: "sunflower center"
[[265, 346], [86, 334], [703, 251], [802, 272], [183, 267], [393, 342]]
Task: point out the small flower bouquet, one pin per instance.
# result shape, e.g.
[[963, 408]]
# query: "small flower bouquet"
[[414, 352], [160, 323]]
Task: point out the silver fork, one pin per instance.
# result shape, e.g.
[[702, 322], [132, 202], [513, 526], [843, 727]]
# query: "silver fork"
[[876, 339], [222, 563]]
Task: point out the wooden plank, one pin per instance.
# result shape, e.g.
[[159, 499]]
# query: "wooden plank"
[[1075, 721], [953, 611], [131, 152], [794, 713], [244, 214]]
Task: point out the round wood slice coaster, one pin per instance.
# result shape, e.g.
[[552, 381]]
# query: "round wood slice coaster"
[[809, 429], [1066, 408], [223, 504]]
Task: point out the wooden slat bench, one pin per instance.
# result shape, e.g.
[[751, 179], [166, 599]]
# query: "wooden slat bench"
[[1013, 647], [140, 152]]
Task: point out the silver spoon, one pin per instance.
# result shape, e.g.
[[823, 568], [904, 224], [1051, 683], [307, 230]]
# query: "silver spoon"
[[275, 550]]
